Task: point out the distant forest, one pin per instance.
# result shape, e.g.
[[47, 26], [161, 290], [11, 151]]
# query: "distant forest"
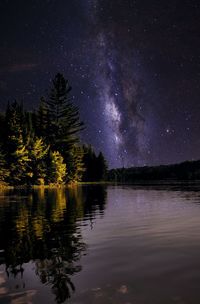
[[42, 147], [189, 170]]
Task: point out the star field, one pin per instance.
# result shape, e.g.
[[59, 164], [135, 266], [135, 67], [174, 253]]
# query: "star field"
[[134, 67]]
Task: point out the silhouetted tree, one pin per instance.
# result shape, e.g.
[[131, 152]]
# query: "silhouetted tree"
[[65, 123], [101, 167], [43, 120], [2, 128], [89, 160], [95, 166]]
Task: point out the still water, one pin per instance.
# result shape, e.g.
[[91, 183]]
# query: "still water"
[[101, 244]]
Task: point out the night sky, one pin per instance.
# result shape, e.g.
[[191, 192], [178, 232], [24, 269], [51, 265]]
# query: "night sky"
[[134, 67]]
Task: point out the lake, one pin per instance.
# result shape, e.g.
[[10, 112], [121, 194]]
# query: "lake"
[[101, 244]]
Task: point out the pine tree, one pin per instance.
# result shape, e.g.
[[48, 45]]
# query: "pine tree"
[[101, 168], [57, 168], [76, 165], [37, 153], [2, 128], [19, 163], [4, 172], [14, 127], [43, 120], [28, 125], [15, 145], [89, 160], [65, 123], [95, 166]]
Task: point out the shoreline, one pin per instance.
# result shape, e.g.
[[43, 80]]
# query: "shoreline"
[[161, 182]]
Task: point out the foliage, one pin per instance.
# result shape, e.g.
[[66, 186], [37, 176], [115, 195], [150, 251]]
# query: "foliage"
[[37, 153], [15, 146], [4, 173], [57, 168], [37, 146], [19, 166], [42, 120], [76, 165], [63, 116]]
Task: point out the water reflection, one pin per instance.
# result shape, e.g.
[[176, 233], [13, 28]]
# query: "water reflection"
[[41, 226], [65, 246]]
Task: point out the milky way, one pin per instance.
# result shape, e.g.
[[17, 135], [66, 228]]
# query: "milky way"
[[120, 92]]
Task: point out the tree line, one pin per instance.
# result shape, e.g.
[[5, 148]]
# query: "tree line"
[[188, 170], [43, 146]]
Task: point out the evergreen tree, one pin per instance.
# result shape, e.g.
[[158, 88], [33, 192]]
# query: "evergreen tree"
[[2, 128], [28, 125], [75, 164], [64, 118], [89, 160], [15, 147], [37, 153], [19, 163], [43, 121], [4, 173], [13, 127], [101, 168], [95, 166], [57, 168]]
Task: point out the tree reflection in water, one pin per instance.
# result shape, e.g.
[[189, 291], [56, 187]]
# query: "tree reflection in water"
[[41, 226]]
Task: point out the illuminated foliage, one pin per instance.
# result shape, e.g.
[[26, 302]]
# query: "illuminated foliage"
[[3, 170], [15, 145], [76, 165], [37, 153], [57, 168], [27, 138]]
